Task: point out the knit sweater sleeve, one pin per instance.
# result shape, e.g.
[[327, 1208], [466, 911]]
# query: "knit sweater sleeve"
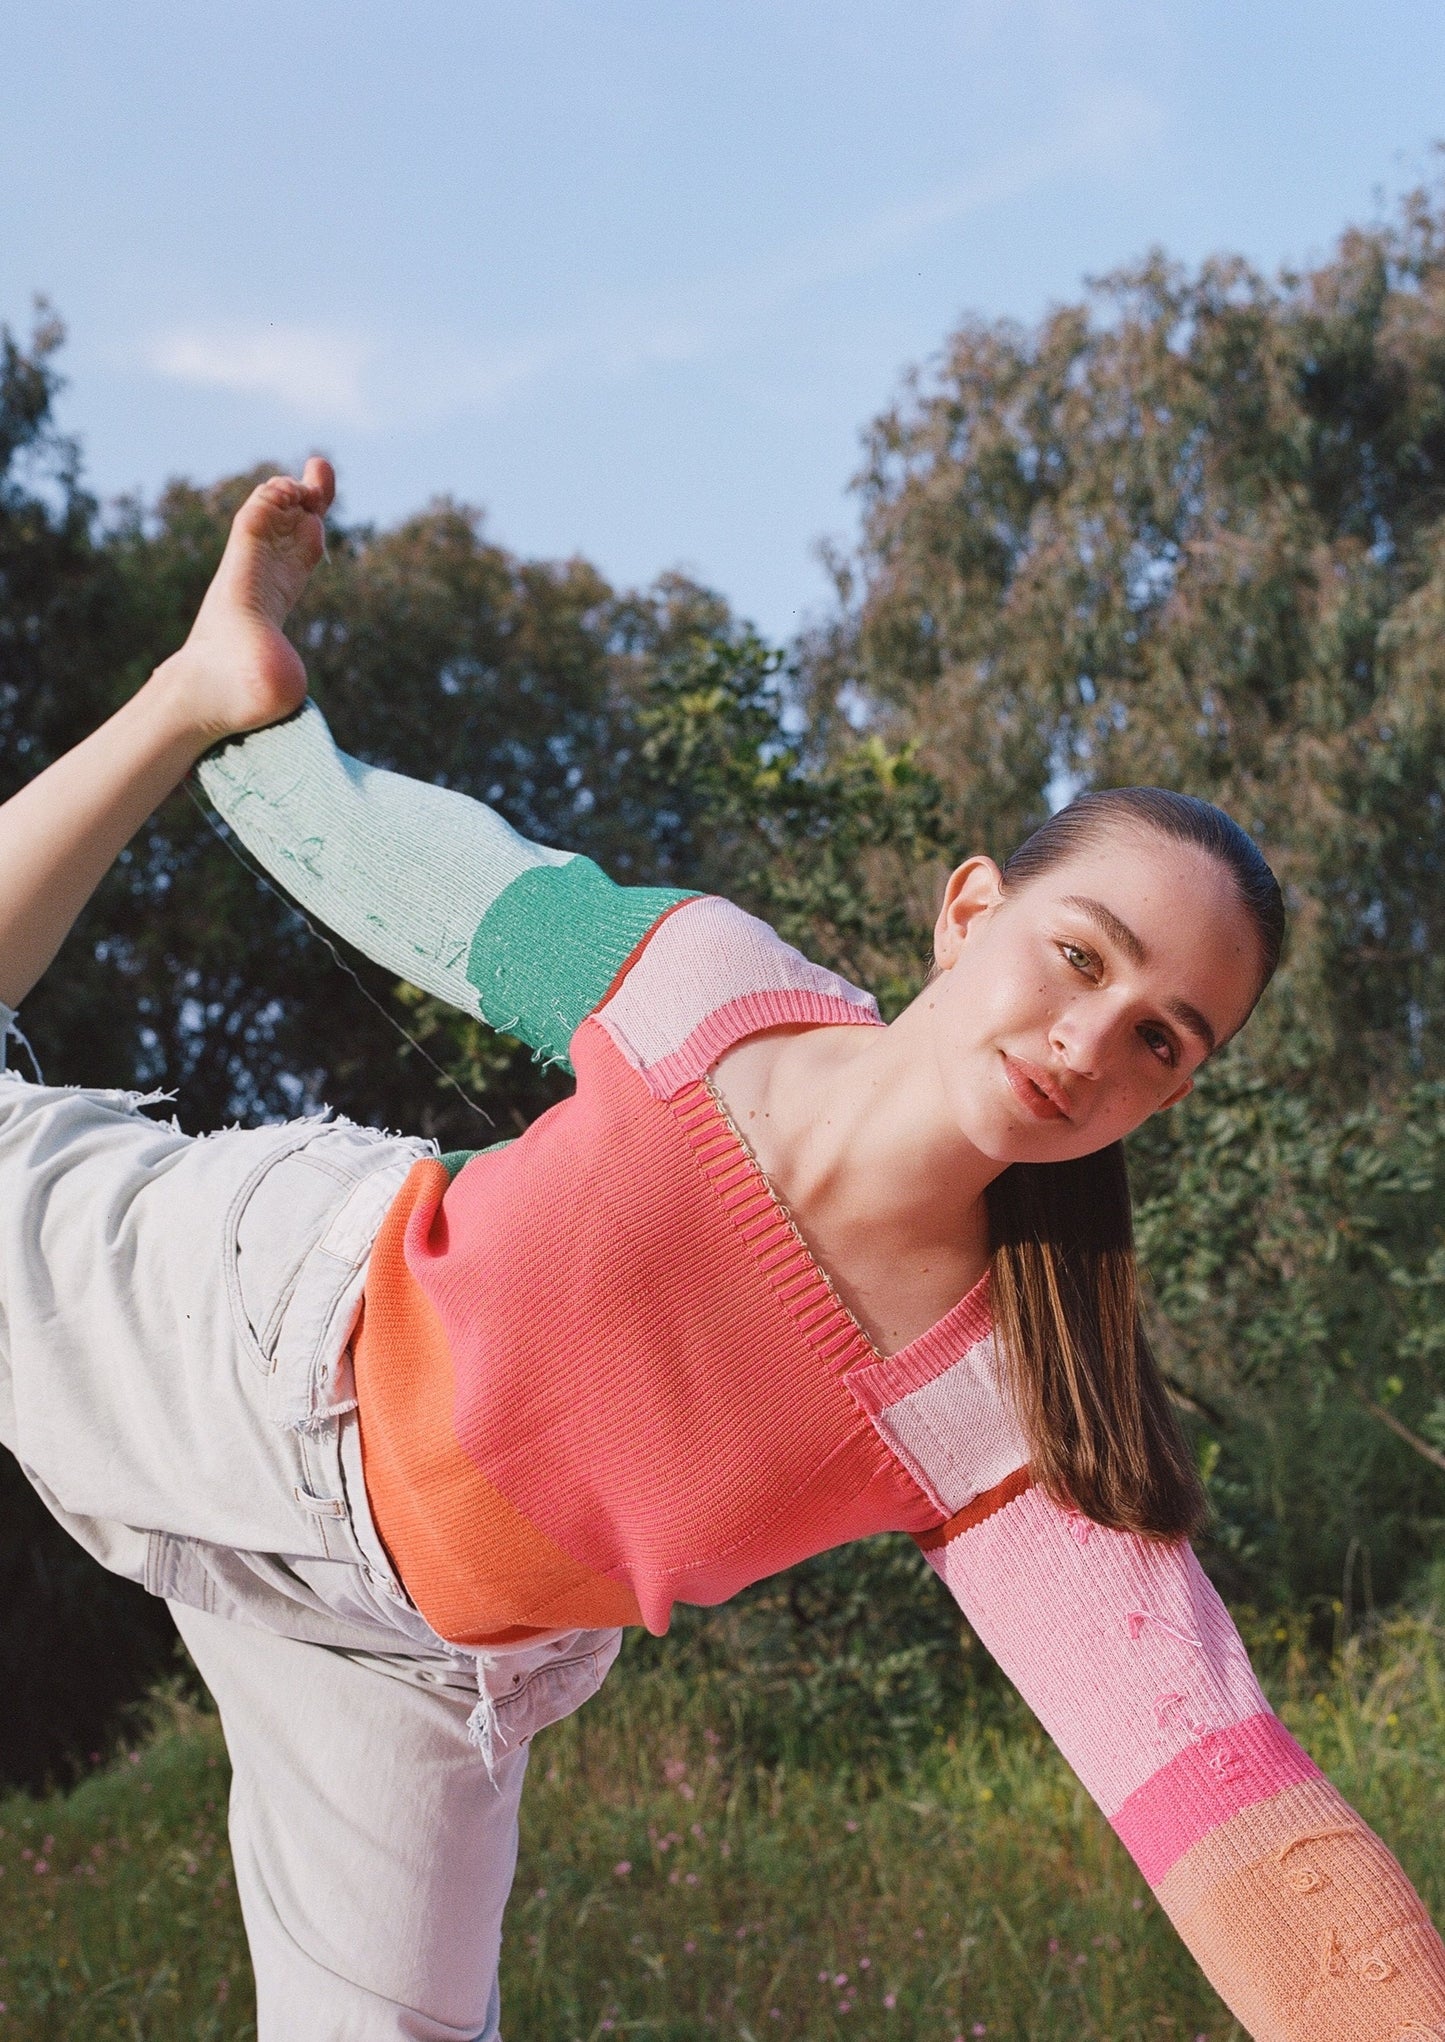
[[1301, 1919], [430, 884]]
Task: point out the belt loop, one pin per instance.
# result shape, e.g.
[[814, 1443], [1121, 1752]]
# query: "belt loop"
[[320, 1506]]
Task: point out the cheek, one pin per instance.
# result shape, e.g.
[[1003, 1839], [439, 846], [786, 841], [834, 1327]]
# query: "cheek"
[[996, 996], [1145, 1094]]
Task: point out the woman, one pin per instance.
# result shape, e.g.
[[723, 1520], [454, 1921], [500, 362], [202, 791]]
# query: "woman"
[[382, 1424]]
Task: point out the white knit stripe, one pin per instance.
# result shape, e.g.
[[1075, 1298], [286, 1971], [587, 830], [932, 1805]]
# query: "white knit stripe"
[[403, 871], [707, 954], [958, 1435]]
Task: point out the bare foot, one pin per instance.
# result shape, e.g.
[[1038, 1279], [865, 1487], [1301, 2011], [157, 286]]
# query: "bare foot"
[[237, 670]]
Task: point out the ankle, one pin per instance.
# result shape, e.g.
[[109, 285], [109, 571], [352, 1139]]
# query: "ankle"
[[174, 704]]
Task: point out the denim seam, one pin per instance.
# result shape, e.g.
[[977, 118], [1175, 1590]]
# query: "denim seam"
[[230, 1246]]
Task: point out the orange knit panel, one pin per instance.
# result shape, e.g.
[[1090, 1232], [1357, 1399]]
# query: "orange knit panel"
[[1306, 1925], [405, 1391], [982, 1507]]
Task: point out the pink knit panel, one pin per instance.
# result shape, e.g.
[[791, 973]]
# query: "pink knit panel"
[[1119, 1644], [709, 976], [1221, 1775]]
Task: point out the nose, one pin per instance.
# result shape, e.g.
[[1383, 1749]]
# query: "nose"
[[1080, 1038]]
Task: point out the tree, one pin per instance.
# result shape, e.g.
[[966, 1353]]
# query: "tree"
[[1192, 531], [71, 1637], [647, 729]]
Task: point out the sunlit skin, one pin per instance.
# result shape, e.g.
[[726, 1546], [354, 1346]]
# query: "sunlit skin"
[[1062, 1015]]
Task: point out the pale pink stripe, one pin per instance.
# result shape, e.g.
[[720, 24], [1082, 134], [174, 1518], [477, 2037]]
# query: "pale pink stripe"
[[705, 954], [1205, 1785], [732, 1022], [1119, 1644]]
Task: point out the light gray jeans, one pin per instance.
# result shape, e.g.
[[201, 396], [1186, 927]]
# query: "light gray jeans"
[[175, 1380]]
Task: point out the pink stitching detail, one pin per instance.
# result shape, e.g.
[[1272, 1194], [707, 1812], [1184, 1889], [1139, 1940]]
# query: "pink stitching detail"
[[1222, 1759], [1169, 1705], [1218, 1754], [1136, 1619]]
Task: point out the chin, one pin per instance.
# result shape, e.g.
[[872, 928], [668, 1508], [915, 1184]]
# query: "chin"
[[1005, 1143], [1041, 1142]]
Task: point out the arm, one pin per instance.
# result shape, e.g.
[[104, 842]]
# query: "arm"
[[432, 885], [1296, 1912], [63, 831]]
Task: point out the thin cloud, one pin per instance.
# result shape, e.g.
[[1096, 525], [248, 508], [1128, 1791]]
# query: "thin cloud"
[[411, 380], [1100, 134], [1102, 131], [311, 370], [323, 373]]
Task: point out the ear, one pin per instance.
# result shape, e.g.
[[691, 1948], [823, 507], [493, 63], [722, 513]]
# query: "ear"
[[973, 890]]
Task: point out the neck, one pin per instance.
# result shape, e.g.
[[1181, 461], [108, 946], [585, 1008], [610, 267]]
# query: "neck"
[[850, 1128]]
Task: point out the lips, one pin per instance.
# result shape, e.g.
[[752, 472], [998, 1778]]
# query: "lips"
[[1035, 1090]]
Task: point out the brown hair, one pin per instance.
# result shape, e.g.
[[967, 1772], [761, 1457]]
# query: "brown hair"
[[1064, 1283]]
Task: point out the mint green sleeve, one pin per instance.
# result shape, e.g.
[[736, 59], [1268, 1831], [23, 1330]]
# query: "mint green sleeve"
[[433, 886]]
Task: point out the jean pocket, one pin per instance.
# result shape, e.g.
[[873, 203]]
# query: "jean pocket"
[[524, 1689], [280, 1212], [300, 1241]]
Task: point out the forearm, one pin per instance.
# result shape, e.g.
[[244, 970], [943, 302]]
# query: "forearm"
[[1305, 1924], [1301, 1919], [63, 831], [432, 885]]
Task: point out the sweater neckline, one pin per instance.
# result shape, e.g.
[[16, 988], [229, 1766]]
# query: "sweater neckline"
[[909, 1367]]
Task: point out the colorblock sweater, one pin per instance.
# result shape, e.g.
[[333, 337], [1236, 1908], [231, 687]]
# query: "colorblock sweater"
[[598, 1371]]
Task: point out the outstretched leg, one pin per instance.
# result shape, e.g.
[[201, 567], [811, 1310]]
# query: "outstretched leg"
[[373, 1853], [236, 671]]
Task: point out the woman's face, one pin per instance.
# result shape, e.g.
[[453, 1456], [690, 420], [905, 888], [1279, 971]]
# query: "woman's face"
[[1069, 1008]]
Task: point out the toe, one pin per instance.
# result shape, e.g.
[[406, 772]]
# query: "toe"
[[318, 484]]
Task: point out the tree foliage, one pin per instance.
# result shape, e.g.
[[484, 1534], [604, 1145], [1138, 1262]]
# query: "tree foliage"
[[1192, 531], [645, 729]]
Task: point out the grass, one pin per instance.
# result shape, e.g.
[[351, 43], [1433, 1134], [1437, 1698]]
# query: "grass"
[[670, 1887]]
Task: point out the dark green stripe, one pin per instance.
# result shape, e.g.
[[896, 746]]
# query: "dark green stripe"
[[551, 944], [456, 1160]]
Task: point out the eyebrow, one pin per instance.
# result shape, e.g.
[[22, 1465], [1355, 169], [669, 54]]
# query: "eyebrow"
[[1123, 936]]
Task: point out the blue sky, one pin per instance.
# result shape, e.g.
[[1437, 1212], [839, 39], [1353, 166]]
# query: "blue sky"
[[634, 274]]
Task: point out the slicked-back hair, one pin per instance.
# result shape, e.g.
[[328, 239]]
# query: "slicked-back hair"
[[1064, 1281]]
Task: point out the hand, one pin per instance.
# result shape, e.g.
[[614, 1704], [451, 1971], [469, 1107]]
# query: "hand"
[[237, 670]]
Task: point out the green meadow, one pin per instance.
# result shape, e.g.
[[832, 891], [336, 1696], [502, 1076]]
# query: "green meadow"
[[673, 1884]]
